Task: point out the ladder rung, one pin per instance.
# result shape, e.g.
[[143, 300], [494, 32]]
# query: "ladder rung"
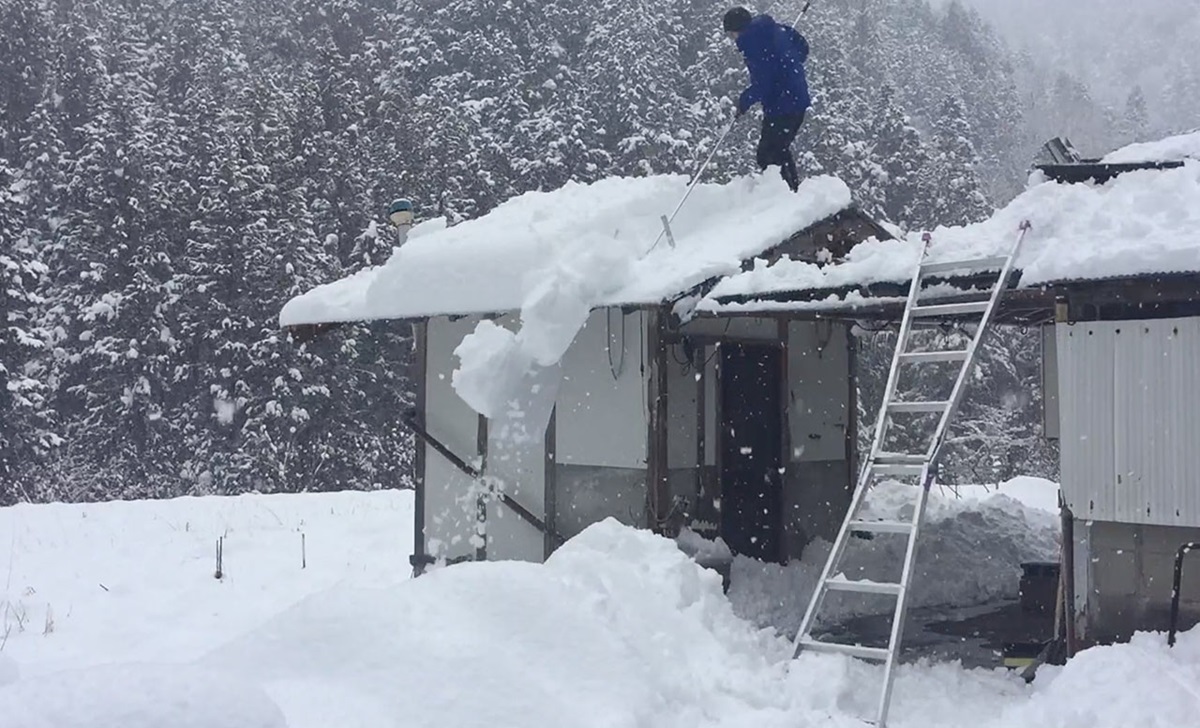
[[901, 469], [927, 357], [899, 458], [917, 407], [879, 654], [951, 309], [862, 587], [979, 264], [881, 526]]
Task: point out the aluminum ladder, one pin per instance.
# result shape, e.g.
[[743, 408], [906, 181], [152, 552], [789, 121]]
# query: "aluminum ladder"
[[922, 465]]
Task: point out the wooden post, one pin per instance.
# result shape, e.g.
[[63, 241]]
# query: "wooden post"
[[658, 490], [549, 481], [419, 559]]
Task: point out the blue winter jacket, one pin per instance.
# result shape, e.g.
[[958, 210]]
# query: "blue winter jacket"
[[775, 55]]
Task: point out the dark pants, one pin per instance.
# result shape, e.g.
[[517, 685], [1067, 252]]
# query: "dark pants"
[[775, 146]]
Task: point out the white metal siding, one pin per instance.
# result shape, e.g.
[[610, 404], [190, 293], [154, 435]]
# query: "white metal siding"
[[1049, 371], [450, 512], [521, 468], [818, 384], [602, 417], [1130, 420]]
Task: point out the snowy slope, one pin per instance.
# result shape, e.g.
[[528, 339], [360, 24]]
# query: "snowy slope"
[[595, 232], [1141, 223], [619, 629]]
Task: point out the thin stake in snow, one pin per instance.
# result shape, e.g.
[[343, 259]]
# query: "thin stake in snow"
[[220, 558]]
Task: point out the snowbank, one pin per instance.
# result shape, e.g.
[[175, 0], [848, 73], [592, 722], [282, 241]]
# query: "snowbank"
[[1140, 223], [133, 582], [138, 696], [1172, 149], [9, 672], [587, 238], [619, 629], [970, 553]]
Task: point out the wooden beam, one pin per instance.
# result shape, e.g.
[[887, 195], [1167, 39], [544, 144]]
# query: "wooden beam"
[[658, 490], [550, 484], [420, 363]]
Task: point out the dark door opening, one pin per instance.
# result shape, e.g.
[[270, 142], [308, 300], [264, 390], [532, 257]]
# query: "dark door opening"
[[751, 441]]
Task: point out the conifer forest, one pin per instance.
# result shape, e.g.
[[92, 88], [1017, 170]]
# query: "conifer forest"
[[173, 171]]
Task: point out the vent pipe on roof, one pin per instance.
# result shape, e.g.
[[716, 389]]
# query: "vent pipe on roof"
[[400, 214]]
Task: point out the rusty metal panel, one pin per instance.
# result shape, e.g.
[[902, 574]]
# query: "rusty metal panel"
[[1130, 413]]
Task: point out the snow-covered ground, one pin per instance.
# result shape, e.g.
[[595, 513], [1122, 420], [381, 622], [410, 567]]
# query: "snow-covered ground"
[[973, 542], [117, 620]]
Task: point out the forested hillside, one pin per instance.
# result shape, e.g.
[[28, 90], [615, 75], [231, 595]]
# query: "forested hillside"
[[172, 172]]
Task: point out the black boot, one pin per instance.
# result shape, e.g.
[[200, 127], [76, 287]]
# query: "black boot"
[[787, 170]]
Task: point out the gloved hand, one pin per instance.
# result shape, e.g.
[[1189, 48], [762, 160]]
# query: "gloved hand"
[[740, 106]]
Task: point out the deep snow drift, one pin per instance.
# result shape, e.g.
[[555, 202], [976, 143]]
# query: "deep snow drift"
[[618, 629]]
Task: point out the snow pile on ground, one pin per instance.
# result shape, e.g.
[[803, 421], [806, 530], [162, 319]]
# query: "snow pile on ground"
[[138, 696], [9, 672], [619, 629], [1172, 149], [1143, 222], [133, 582], [541, 250], [971, 549]]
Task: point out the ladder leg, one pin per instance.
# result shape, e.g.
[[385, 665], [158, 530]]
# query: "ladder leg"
[[901, 613], [834, 558], [881, 462]]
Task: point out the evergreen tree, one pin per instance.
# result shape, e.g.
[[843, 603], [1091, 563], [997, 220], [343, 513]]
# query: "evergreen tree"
[[1136, 121], [955, 170], [26, 434]]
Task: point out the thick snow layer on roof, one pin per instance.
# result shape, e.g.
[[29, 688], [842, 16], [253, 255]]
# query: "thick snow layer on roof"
[[596, 232], [1141, 223], [1171, 149]]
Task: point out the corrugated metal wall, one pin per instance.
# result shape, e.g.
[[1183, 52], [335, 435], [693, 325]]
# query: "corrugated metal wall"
[[1130, 408]]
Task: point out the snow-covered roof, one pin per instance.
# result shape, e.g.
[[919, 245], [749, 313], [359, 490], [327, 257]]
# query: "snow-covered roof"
[[595, 235], [1141, 223], [1171, 149]]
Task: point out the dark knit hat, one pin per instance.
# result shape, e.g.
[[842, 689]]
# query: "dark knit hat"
[[737, 19]]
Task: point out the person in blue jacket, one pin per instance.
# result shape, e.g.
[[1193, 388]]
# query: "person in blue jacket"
[[775, 55]]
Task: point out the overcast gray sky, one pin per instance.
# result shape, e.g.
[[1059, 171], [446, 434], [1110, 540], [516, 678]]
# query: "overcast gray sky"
[[1110, 44]]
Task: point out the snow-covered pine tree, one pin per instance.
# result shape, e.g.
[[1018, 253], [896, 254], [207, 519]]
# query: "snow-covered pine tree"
[[954, 171], [26, 426]]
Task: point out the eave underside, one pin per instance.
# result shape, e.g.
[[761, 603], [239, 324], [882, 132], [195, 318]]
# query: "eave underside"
[[1156, 296]]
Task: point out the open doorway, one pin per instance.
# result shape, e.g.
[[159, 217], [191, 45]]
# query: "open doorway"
[[751, 442]]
